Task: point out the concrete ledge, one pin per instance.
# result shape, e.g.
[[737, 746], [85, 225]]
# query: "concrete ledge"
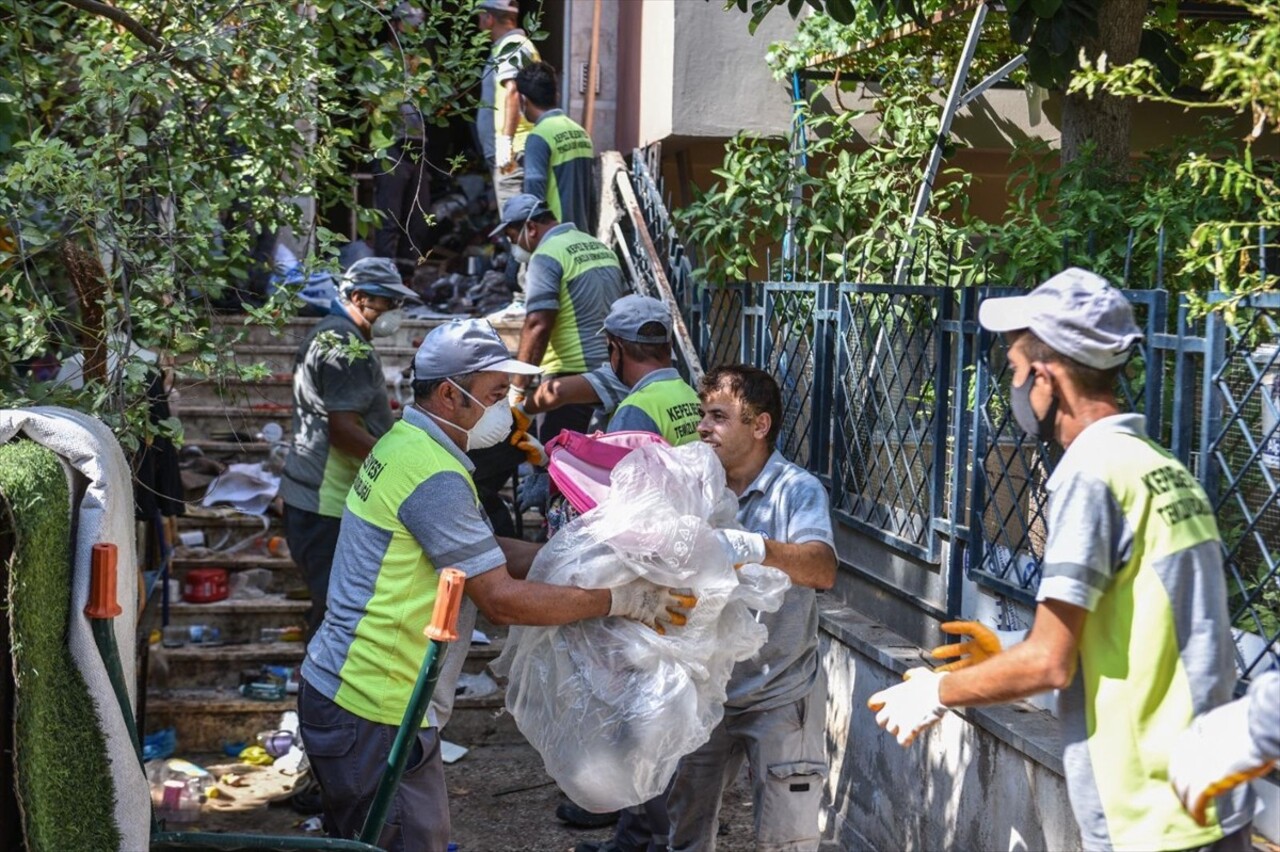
[[987, 779], [1028, 729]]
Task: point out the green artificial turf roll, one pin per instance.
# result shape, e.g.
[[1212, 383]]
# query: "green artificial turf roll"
[[63, 778]]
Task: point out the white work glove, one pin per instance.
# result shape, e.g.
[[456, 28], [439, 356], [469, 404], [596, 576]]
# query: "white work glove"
[[1214, 755], [502, 152], [742, 548], [651, 604], [515, 398], [908, 708]]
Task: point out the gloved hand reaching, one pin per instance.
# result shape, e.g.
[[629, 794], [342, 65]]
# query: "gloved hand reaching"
[[502, 152], [910, 707], [533, 450], [983, 645], [651, 604], [1214, 755], [515, 397], [742, 548]]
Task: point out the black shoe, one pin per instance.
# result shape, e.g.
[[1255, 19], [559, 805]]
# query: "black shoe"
[[307, 801], [573, 815]]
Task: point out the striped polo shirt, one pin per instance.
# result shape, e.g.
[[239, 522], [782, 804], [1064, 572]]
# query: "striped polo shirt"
[[411, 511], [1132, 539], [580, 278], [559, 165], [661, 403]]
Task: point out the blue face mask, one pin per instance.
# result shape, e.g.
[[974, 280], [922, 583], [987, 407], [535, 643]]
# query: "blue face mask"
[[1040, 428]]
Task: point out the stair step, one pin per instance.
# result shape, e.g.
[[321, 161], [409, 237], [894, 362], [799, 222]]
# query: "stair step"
[[207, 718], [234, 562], [293, 331], [241, 620], [241, 448], [192, 666]]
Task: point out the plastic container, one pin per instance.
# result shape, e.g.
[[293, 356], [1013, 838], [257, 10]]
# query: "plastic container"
[[205, 585], [178, 789], [292, 633]]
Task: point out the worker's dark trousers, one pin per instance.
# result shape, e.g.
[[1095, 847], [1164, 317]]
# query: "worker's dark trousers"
[[348, 753]]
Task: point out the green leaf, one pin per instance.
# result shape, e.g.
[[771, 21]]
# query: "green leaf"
[[137, 137]]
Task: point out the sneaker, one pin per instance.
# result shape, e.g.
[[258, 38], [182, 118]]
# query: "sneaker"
[[582, 818], [513, 312]]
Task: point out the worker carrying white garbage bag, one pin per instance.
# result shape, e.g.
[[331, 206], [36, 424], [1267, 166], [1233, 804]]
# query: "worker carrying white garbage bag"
[[610, 704]]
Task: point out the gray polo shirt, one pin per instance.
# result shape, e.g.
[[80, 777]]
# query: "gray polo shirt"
[[785, 503], [578, 277], [607, 386], [317, 476], [412, 512]]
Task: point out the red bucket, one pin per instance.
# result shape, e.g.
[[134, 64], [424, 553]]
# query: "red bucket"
[[205, 585]]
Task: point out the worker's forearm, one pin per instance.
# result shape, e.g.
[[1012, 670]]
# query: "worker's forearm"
[[1020, 672], [566, 390], [533, 345], [811, 564], [348, 436], [537, 604], [511, 120]]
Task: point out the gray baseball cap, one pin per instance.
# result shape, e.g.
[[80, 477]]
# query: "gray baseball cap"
[[498, 6], [1076, 312], [377, 276], [630, 313], [518, 210], [465, 346]]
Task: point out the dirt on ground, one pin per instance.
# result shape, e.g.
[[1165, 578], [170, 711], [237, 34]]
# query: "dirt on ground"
[[500, 800]]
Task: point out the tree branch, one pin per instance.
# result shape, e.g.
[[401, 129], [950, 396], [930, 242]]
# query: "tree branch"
[[104, 10]]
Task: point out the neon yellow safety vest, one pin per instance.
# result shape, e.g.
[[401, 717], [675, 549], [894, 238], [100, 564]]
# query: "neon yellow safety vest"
[[580, 278], [379, 666], [1155, 649], [669, 404]]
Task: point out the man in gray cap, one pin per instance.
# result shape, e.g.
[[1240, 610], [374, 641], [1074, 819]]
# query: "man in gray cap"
[[412, 511], [573, 281], [637, 384], [340, 408], [1131, 623]]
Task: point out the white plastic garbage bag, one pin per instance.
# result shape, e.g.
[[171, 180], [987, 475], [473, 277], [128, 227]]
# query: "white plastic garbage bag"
[[610, 704]]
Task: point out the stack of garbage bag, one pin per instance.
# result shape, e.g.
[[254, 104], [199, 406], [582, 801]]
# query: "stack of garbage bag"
[[610, 704]]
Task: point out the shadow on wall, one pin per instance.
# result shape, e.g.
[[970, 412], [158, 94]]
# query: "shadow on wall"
[[957, 788]]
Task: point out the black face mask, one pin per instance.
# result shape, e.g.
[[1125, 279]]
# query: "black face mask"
[[1040, 428]]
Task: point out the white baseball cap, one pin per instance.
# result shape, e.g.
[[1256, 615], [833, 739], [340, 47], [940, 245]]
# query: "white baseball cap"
[[1076, 312]]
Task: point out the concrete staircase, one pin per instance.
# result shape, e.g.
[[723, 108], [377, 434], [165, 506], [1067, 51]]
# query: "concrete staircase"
[[194, 688]]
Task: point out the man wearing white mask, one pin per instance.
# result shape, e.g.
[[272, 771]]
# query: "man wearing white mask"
[[412, 511], [340, 408]]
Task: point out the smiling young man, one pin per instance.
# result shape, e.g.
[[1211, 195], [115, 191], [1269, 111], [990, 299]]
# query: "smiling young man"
[[413, 510], [775, 711], [1132, 620]]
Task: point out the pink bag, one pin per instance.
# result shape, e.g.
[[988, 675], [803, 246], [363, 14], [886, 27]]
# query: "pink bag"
[[580, 464]]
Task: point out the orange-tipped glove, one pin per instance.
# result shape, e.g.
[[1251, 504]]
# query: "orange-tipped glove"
[[1214, 755], [651, 604], [910, 707], [983, 644], [532, 448]]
